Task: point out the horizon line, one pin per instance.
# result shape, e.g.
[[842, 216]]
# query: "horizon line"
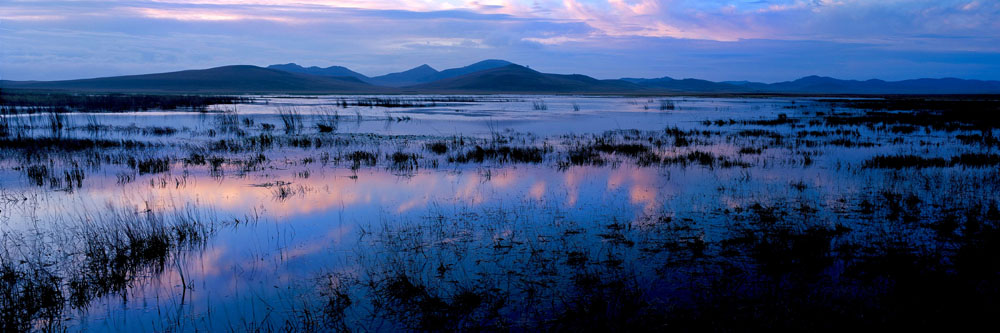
[[513, 63]]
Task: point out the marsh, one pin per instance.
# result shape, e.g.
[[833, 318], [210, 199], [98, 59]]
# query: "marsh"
[[377, 213]]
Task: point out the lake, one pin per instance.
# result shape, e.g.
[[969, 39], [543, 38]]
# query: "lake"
[[512, 212]]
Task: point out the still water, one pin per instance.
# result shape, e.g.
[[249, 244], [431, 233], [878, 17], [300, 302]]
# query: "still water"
[[284, 243]]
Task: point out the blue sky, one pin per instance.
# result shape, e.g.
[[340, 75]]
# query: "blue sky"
[[761, 40]]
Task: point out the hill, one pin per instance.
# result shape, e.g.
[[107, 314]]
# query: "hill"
[[516, 78], [416, 75], [226, 79], [489, 76], [333, 71], [476, 67], [827, 85]]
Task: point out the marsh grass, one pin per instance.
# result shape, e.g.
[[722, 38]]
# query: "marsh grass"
[[57, 121], [976, 160], [939, 113], [680, 137], [32, 102], [329, 121], [642, 154], [402, 161], [969, 160], [848, 143], [776, 259], [228, 121], [105, 252], [30, 296], [706, 159], [122, 242], [438, 147], [986, 139], [283, 191], [501, 154], [150, 165], [158, 130], [290, 118], [667, 105], [582, 156], [359, 158], [41, 144], [6, 126]]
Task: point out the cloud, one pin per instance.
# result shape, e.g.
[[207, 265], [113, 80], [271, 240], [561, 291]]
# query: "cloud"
[[208, 15], [767, 40]]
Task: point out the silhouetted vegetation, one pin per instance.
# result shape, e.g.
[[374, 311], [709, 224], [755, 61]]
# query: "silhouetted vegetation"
[[328, 122], [37, 102], [31, 144], [30, 297], [501, 154], [912, 161], [439, 147], [667, 105], [291, 118], [942, 114], [117, 247]]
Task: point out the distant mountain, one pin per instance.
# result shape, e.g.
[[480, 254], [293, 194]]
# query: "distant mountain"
[[334, 71], [516, 78], [489, 76], [426, 74], [827, 85], [227, 79], [685, 85], [416, 75], [479, 66]]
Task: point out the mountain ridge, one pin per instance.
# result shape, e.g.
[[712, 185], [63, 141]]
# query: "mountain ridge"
[[487, 76], [517, 78], [411, 76], [334, 71], [225, 79]]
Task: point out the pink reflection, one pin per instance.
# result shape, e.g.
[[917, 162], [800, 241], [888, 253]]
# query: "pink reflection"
[[537, 190]]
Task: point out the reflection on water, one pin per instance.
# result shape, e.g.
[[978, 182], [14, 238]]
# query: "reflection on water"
[[264, 269], [305, 240], [316, 228]]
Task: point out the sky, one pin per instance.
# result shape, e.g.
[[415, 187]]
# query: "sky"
[[757, 40]]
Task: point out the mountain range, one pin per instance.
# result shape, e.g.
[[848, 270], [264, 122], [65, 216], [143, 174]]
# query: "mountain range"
[[417, 75], [226, 79], [488, 76]]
